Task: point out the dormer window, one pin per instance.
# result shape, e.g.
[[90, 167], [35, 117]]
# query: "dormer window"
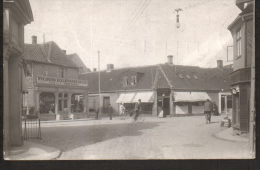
[[181, 76], [133, 80]]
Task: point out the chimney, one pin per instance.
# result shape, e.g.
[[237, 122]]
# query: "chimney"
[[64, 51], [170, 59], [94, 69], [34, 39], [110, 67], [220, 64]]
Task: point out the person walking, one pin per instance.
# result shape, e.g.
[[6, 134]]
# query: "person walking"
[[207, 110], [137, 109], [122, 110]]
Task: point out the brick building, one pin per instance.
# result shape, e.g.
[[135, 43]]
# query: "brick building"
[[53, 83]]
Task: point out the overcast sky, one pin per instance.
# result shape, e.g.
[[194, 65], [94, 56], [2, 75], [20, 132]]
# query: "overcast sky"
[[136, 32]]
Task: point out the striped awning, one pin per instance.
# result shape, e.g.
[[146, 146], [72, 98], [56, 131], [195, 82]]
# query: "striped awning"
[[125, 98], [190, 96], [146, 97]]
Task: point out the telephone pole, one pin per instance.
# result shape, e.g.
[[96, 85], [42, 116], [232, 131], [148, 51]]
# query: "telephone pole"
[[99, 87]]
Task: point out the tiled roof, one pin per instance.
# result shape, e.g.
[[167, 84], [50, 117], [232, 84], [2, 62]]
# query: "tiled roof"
[[113, 80], [77, 61], [197, 78], [180, 77], [48, 52]]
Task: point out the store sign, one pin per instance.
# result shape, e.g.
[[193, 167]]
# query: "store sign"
[[61, 82]]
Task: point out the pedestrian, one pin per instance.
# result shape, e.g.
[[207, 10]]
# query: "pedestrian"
[[110, 111], [122, 110], [137, 109], [207, 110]]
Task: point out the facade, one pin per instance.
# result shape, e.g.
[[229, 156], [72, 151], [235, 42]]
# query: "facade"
[[53, 83], [175, 89], [16, 14], [242, 32]]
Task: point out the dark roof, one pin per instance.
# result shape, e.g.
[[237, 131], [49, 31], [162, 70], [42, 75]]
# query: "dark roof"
[[197, 78], [193, 78], [48, 52], [77, 61], [113, 80]]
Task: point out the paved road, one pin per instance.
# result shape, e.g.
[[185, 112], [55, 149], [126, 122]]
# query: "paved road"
[[150, 138]]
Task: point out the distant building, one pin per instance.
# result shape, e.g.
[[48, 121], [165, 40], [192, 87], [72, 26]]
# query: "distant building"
[[77, 61], [16, 14], [53, 82], [175, 89], [242, 32]]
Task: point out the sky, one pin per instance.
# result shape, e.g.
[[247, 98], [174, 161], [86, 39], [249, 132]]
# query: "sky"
[[136, 32]]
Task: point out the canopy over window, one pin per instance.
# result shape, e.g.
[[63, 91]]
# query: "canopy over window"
[[146, 97], [125, 98], [190, 96]]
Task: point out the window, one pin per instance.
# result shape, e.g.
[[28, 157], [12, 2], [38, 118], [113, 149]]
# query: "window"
[[133, 80], [181, 76], [238, 43], [61, 72], [195, 76], [28, 71]]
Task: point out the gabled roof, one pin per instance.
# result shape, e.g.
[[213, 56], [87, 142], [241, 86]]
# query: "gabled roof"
[[78, 62], [162, 76], [48, 52]]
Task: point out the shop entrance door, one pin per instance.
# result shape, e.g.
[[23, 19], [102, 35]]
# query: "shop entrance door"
[[166, 106]]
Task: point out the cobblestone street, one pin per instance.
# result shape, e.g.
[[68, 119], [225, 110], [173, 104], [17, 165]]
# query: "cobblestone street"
[[149, 138]]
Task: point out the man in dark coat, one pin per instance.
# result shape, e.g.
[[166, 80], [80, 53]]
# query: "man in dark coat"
[[207, 110], [137, 109]]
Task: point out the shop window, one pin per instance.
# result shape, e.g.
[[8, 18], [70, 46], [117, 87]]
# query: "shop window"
[[60, 94], [47, 102]]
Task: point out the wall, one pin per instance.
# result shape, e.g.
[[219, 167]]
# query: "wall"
[[54, 71], [214, 97], [93, 100]]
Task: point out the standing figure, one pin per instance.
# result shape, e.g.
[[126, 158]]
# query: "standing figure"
[[122, 110], [137, 109], [207, 110], [110, 111]]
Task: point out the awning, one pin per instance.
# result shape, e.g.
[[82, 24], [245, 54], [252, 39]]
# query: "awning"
[[125, 98], [190, 96], [146, 97]]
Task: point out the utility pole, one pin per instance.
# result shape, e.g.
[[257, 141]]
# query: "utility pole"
[[178, 25], [252, 92], [99, 88]]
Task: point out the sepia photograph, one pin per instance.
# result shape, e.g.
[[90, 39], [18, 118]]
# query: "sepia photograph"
[[128, 79]]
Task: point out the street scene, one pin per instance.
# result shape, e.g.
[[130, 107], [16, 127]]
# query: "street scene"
[[121, 79]]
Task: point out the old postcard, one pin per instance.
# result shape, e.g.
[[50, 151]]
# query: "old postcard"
[[129, 79]]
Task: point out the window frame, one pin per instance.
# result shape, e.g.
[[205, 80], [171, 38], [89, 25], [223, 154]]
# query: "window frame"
[[238, 43]]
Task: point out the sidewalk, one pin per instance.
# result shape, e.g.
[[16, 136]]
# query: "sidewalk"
[[33, 151], [227, 134]]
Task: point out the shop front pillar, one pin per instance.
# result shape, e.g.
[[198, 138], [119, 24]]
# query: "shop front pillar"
[[85, 103], [56, 102], [37, 101], [69, 102], [155, 104], [172, 110]]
